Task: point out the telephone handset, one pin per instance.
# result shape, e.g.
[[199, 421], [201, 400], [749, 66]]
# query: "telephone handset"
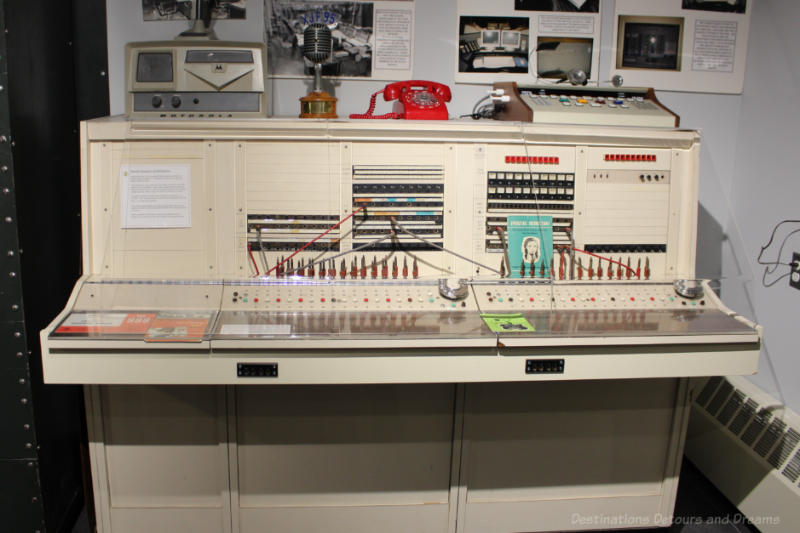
[[415, 100]]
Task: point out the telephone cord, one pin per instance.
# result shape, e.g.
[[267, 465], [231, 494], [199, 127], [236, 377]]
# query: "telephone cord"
[[371, 109]]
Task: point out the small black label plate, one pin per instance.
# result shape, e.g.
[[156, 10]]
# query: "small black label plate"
[[544, 366], [257, 370]]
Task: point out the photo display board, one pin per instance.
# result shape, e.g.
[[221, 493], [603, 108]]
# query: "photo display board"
[[528, 41], [681, 45], [371, 40]]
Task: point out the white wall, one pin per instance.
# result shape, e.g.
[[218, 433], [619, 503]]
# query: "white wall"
[[765, 186], [748, 180]]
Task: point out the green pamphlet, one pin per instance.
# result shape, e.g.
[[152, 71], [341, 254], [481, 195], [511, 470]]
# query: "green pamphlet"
[[507, 323]]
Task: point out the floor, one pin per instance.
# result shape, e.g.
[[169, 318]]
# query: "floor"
[[700, 508]]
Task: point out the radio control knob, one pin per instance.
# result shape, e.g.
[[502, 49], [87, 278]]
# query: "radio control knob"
[[176, 101], [156, 101]]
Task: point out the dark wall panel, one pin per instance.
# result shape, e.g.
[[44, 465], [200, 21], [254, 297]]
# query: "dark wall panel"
[[56, 62]]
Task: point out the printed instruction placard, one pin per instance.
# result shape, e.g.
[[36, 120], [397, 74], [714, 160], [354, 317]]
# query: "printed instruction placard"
[[155, 196], [530, 245], [178, 326], [105, 323]]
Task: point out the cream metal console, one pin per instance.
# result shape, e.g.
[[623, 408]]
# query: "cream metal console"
[[364, 395]]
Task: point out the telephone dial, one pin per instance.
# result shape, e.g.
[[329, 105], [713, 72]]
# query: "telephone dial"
[[414, 100]]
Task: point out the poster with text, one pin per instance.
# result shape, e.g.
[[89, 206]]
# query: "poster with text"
[[528, 41], [684, 45], [369, 40]]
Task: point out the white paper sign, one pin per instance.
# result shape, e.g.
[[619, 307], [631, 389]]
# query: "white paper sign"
[[155, 196], [714, 45], [393, 39], [95, 319], [566, 24]]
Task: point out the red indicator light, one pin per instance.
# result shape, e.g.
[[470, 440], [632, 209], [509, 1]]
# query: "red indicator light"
[[322, 299], [299, 299], [540, 160], [255, 300], [366, 299], [388, 299], [626, 157], [531, 298], [277, 299]]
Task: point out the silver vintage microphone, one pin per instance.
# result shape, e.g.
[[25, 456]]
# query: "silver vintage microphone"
[[317, 45], [317, 48]]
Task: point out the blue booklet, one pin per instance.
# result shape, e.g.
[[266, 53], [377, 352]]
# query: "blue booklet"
[[530, 242]]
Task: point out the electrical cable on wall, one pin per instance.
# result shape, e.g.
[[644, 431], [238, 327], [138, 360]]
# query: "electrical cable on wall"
[[771, 266]]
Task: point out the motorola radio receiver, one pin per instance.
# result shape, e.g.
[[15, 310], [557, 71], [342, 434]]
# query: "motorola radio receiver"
[[191, 79]]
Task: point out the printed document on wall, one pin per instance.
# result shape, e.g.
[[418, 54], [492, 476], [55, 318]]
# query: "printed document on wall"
[[155, 196]]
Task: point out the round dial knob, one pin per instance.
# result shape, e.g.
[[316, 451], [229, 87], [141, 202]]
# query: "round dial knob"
[[423, 99], [156, 101], [176, 101]]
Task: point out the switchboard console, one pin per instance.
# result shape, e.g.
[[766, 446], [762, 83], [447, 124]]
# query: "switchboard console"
[[326, 325], [295, 235]]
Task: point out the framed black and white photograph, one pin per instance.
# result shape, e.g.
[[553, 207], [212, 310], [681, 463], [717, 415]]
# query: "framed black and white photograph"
[[493, 44], [228, 9], [186, 9], [351, 25], [653, 43], [724, 6], [168, 9], [570, 6], [557, 56]]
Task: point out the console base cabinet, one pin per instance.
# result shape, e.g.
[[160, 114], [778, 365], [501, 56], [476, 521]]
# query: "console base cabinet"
[[464, 458]]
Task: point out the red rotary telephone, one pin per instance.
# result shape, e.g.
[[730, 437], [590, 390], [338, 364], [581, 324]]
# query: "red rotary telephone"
[[416, 100]]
